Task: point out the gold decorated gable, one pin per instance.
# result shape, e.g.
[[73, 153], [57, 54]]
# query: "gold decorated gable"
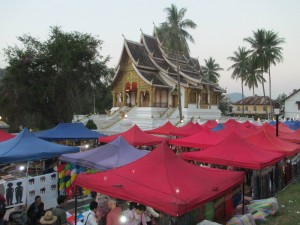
[[127, 74]]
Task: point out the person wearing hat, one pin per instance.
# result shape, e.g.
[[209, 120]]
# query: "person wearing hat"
[[60, 210], [48, 218]]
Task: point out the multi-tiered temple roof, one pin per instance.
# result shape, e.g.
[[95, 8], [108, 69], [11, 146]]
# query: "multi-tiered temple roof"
[[158, 66]]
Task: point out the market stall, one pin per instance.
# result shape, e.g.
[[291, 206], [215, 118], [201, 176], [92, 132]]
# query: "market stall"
[[164, 182], [136, 137]]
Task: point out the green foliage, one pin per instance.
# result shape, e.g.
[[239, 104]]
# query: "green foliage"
[[266, 51], [289, 200], [225, 106], [280, 99], [47, 82], [211, 69], [173, 32], [91, 125]]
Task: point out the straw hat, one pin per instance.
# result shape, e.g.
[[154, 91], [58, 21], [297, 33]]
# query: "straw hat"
[[48, 218]]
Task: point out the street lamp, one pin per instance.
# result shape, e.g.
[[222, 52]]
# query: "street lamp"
[[276, 109]]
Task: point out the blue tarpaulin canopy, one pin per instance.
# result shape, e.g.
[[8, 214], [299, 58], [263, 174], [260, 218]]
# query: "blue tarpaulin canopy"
[[218, 127], [27, 147], [68, 131], [115, 154]]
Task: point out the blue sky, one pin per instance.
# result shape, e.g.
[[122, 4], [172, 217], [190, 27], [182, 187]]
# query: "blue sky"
[[222, 26]]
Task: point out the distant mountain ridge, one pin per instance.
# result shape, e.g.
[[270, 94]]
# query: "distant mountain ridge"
[[234, 97]]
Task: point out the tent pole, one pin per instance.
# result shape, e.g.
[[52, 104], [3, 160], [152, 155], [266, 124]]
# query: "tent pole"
[[27, 168], [76, 188], [243, 209]]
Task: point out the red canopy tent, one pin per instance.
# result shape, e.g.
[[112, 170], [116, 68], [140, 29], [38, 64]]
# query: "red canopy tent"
[[136, 137], [272, 129], [249, 125], [163, 130], [210, 124], [187, 130], [244, 132], [163, 181], [237, 152], [231, 122], [202, 139], [5, 136], [268, 141], [283, 128], [293, 137]]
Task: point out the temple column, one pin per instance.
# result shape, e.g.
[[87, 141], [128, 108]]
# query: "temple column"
[[152, 96], [138, 98], [124, 98], [186, 97], [114, 98]]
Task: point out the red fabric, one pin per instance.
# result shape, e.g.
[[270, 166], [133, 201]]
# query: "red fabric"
[[163, 181], [228, 205], [202, 139], [243, 132], [5, 136], [248, 124], [187, 130], [270, 142], [210, 124], [237, 152], [231, 122], [164, 129], [136, 137], [272, 129], [293, 137], [283, 128]]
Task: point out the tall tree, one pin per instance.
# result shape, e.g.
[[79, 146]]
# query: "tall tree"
[[253, 77], [259, 53], [266, 51], [173, 32], [174, 37], [211, 69], [281, 98], [47, 82], [239, 67], [273, 54]]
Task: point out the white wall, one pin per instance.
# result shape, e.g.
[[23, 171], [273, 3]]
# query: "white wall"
[[291, 107]]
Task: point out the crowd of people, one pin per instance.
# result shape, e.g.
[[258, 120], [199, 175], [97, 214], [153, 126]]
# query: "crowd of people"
[[117, 214]]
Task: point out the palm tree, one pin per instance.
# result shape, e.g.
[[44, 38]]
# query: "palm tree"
[[174, 37], [259, 52], [173, 31], [273, 53], [253, 77], [210, 70], [240, 59]]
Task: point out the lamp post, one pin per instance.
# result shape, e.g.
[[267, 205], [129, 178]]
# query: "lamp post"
[[276, 112]]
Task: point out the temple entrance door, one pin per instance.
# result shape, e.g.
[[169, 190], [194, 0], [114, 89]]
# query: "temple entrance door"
[[174, 101], [127, 98], [147, 99], [133, 98]]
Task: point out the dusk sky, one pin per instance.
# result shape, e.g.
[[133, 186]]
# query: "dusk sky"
[[222, 26]]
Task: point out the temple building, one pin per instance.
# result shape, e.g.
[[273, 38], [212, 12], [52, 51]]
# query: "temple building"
[[146, 76]]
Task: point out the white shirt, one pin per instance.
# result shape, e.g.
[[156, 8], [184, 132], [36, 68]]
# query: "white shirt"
[[150, 212], [89, 218]]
